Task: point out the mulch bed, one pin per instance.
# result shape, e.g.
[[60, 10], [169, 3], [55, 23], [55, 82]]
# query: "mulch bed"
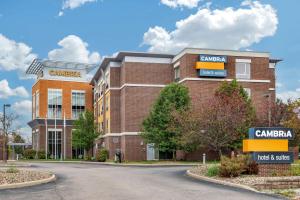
[[21, 176]]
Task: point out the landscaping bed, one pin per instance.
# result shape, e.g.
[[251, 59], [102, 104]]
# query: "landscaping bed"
[[14, 176]]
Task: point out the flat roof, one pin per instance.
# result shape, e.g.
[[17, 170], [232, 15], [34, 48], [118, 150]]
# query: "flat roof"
[[120, 56], [37, 65]]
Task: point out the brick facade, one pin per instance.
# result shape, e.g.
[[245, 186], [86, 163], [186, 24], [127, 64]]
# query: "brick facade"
[[135, 80]]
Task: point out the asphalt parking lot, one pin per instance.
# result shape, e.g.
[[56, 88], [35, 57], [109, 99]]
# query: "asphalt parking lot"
[[89, 182]]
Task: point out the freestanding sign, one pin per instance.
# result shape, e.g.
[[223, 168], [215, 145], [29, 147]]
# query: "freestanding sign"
[[269, 145]]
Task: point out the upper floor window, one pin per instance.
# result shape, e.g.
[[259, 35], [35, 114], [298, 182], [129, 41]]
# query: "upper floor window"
[[33, 106], [78, 103], [243, 69], [177, 73], [37, 104], [54, 103]]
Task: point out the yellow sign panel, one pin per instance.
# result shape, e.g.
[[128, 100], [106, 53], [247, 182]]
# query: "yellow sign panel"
[[267, 145], [209, 65], [64, 73]]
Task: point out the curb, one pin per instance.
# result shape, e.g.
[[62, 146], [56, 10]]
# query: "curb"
[[27, 184], [120, 164], [220, 182]]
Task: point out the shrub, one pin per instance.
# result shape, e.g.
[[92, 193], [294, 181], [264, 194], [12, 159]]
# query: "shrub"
[[233, 167], [87, 158], [41, 154], [295, 170], [212, 171], [252, 167], [12, 169], [29, 153], [102, 155]]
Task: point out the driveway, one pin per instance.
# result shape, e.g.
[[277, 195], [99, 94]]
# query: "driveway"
[[89, 182]]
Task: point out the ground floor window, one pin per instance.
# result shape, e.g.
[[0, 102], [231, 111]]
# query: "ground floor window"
[[54, 144]]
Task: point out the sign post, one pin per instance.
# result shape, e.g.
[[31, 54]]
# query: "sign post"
[[269, 149]]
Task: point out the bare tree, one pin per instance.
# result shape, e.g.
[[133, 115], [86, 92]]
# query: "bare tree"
[[6, 125]]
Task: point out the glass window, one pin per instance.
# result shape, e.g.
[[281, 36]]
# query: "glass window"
[[78, 103], [242, 70], [107, 103], [33, 106], [54, 144], [177, 73], [54, 103], [37, 104]]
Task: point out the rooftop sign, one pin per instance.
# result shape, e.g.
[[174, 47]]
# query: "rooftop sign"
[[213, 58]]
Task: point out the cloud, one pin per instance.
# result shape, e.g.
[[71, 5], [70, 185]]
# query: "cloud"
[[279, 85], [6, 91], [291, 94], [73, 49], [180, 3], [14, 55], [228, 28], [22, 108], [72, 4]]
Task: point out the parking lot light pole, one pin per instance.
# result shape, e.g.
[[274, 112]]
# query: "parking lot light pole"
[[4, 132]]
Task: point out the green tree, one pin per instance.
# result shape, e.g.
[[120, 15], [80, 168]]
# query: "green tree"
[[292, 120], [85, 132], [17, 138], [173, 98]]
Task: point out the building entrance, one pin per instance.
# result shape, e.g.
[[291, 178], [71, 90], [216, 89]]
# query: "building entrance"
[[54, 144]]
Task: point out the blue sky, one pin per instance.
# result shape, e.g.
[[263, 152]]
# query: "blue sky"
[[87, 30]]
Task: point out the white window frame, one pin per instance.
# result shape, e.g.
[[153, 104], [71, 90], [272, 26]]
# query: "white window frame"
[[176, 73], [54, 89], [246, 72], [77, 91]]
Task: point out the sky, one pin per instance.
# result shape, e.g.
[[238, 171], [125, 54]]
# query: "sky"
[[87, 30]]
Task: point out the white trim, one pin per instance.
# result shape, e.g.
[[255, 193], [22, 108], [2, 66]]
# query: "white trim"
[[176, 64], [120, 134], [212, 79], [220, 52], [243, 60], [79, 91], [272, 89], [272, 65], [114, 64], [147, 60], [136, 85], [54, 129], [49, 79]]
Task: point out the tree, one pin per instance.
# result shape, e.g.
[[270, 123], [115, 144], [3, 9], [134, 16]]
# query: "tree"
[[85, 132], [6, 125], [17, 138], [292, 120], [222, 122], [173, 98]]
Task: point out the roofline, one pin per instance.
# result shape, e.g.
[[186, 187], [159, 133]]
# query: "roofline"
[[121, 55]]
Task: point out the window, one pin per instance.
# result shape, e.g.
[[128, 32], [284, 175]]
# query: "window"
[[37, 104], [107, 125], [78, 103], [107, 80], [106, 103], [177, 73], [54, 103], [54, 144], [248, 91], [242, 70], [33, 106]]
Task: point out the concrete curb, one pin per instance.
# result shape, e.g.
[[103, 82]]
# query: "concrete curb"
[[27, 184], [120, 164], [211, 180]]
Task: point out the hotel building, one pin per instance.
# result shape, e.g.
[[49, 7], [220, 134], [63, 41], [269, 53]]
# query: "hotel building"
[[126, 86], [60, 93]]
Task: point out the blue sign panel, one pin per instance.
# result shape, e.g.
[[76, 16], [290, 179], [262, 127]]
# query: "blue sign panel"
[[212, 58], [213, 73], [271, 133], [273, 157]]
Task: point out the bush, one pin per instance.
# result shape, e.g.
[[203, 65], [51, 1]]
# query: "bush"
[[41, 154], [29, 153], [212, 171], [252, 167], [295, 170], [233, 167], [102, 155], [12, 169]]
